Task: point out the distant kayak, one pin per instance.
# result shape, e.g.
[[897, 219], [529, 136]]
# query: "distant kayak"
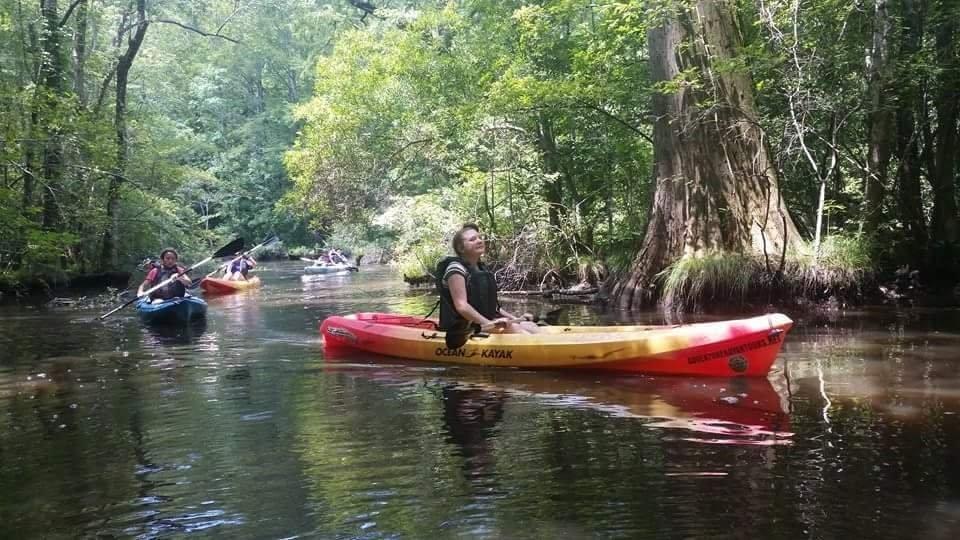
[[744, 347], [226, 286], [329, 269], [179, 310]]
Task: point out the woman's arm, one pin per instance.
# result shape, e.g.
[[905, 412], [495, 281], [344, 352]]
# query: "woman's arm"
[[143, 287]]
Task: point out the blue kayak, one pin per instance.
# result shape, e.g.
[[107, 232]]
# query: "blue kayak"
[[173, 311]]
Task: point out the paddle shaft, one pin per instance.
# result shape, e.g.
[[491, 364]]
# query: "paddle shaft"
[[237, 258]]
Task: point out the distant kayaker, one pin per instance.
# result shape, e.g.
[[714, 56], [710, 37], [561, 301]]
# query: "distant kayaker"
[[468, 291], [239, 268], [168, 267]]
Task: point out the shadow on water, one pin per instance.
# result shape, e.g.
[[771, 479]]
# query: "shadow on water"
[[174, 334]]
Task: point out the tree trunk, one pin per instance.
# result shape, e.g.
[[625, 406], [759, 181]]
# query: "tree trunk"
[[553, 189], [944, 216], [80, 53], [879, 119], [51, 84], [109, 254], [909, 197], [716, 188]]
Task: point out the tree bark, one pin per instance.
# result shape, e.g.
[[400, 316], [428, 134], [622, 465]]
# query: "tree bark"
[[553, 189], [909, 195], [943, 249], [51, 85], [80, 53], [716, 188], [109, 254], [879, 119]]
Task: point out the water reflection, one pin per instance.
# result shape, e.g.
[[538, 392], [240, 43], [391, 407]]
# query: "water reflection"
[[470, 417], [741, 411], [174, 334], [245, 430]]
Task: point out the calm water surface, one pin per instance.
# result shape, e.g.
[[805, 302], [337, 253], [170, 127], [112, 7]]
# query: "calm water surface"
[[241, 428]]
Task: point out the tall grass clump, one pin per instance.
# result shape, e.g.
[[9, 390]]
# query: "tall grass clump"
[[842, 268], [692, 283]]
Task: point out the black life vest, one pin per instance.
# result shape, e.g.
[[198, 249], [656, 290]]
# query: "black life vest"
[[171, 290], [481, 293], [241, 266]]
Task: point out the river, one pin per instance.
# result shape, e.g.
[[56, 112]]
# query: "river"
[[241, 428]]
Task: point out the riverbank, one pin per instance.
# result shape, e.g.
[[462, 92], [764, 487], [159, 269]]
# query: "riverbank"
[[15, 286]]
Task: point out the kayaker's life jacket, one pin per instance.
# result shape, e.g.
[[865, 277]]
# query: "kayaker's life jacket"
[[172, 290], [481, 291], [241, 266]]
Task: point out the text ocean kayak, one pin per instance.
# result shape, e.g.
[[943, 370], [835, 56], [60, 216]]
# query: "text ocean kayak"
[[226, 286], [173, 311], [743, 347]]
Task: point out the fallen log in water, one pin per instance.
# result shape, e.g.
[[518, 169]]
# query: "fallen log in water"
[[553, 293]]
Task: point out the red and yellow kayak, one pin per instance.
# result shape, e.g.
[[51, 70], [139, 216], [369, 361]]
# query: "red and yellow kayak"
[[226, 286], [743, 347]]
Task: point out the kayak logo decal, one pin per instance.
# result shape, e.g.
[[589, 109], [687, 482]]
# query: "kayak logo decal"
[[443, 351], [738, 363], [341, 333], [735, 351], [484, 353]]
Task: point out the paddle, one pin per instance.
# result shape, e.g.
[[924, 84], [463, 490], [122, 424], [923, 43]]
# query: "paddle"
[[457, 336], [268, 240], [228, 249]]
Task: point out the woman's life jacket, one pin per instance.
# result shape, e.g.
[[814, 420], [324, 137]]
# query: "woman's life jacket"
[[481, 291], [241, 266], [171, 290]]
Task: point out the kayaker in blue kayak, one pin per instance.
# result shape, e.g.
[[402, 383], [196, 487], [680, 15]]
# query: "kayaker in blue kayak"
[[168, 267], [468, 291]]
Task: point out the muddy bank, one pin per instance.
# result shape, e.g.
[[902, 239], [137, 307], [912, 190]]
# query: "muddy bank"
[[45, 286]]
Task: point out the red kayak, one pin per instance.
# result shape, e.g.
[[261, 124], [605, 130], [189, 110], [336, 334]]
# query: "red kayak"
[[743, 347], [226, 286]]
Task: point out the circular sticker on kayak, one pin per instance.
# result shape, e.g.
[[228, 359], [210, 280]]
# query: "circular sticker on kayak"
[[738, 363]]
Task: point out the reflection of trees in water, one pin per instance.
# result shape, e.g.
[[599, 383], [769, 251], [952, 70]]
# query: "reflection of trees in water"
[[65, 465]]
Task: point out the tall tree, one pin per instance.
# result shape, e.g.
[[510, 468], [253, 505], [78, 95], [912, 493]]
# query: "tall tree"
[[942, 174], [879, 117], [138, 29], [909, 99], [716, 188]]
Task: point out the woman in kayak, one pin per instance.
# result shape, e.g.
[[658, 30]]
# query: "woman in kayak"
[[239, 268], [469, 292], [168, 267]]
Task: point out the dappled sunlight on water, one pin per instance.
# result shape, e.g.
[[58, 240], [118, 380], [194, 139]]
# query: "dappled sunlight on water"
[[241, 427]]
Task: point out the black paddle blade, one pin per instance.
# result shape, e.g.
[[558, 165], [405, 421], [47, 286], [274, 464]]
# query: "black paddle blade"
[[269, 240], [457, 336], [229, 249]]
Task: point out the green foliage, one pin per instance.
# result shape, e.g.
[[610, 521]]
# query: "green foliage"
[[532, 119], [422, 229]]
